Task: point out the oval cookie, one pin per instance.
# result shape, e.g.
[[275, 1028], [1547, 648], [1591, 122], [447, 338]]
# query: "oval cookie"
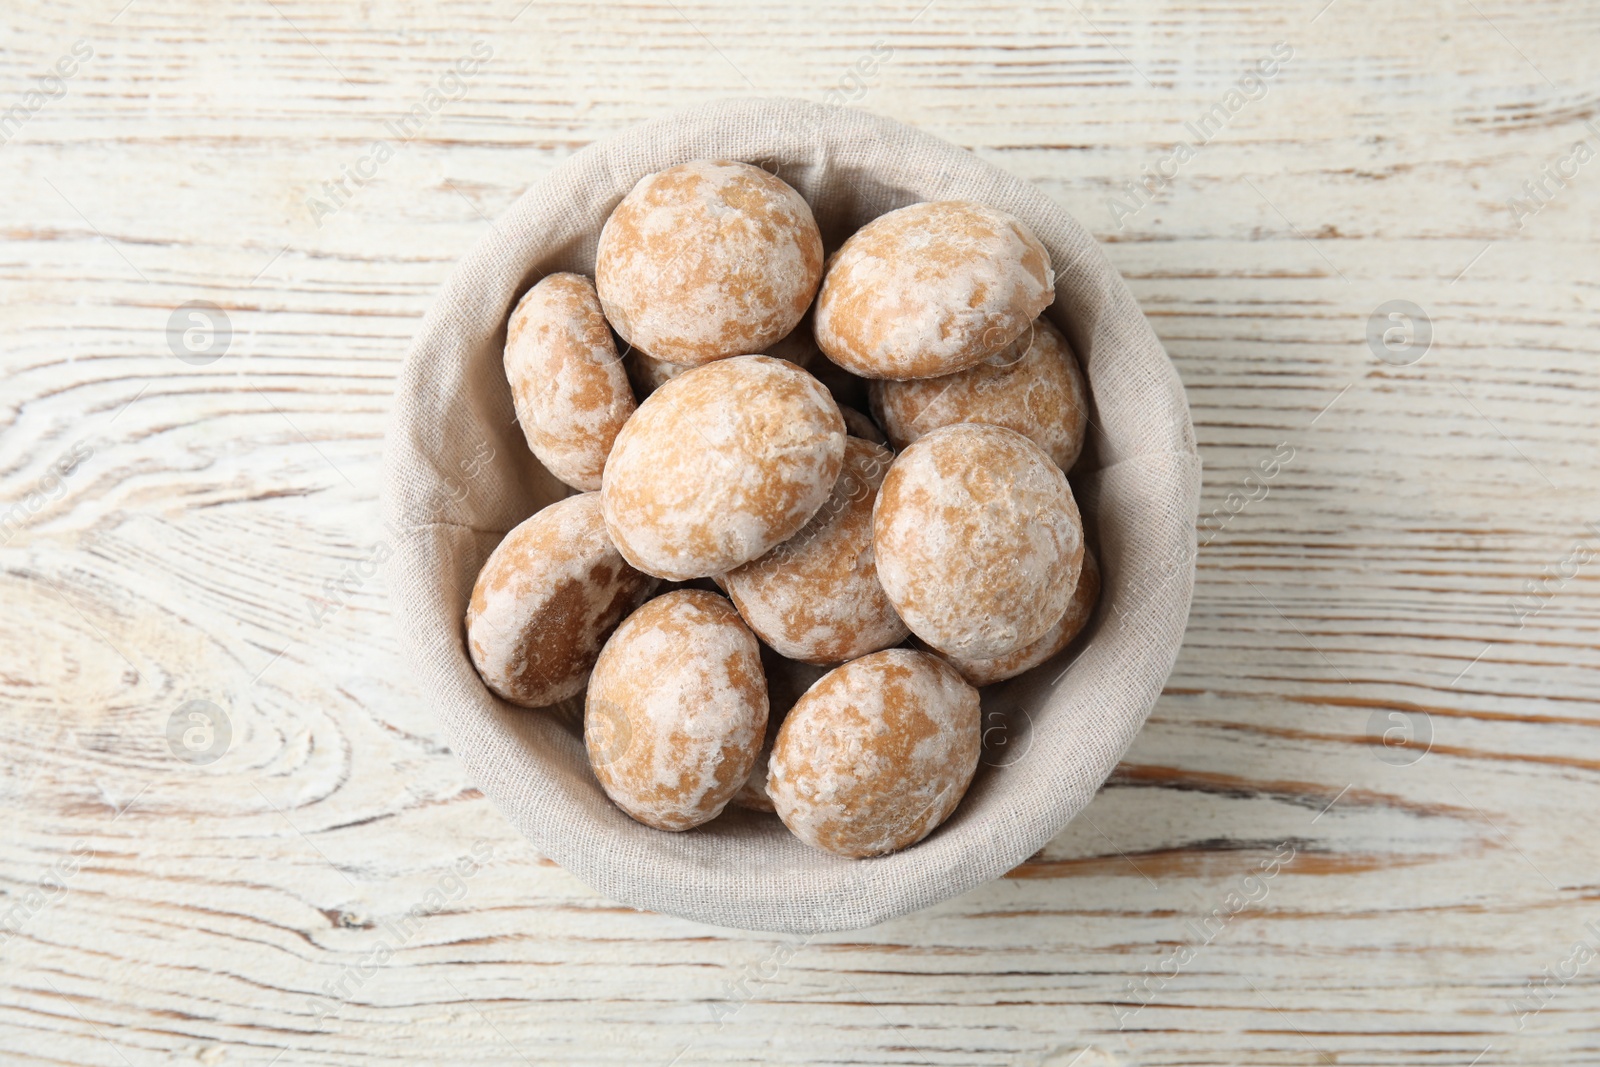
[[931, 289], [676, 710], [876, 754], [545, 601], [570, 390], [721, 464], [978, 540]]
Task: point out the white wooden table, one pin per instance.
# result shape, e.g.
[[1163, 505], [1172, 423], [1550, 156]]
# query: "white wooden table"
[[1421, 563]]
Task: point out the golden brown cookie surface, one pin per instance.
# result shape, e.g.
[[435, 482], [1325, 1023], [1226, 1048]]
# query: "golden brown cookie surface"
[[876, 754], [931, 289], [721, 464], [978, 540], [570, 391], [1079, 610], [706, 260], [546, 599], [816, 596], [676, 710], [1033, 386]]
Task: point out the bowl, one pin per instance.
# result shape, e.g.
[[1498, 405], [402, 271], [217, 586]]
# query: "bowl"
[[458, 476]]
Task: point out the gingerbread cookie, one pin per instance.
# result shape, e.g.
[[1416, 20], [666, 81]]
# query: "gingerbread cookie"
[[978, 540], [876, 754], [931, 289], [676, 711], [721, 464], [707, 260], [545, 601], [570, 391]]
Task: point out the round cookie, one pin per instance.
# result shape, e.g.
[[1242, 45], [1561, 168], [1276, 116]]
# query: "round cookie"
[[787, 680], [816, 596], [647, 373], [931, 289], [721, 464], [1032, 386], [876, 754], [570, 391], [545, 600], [858, 425], [978, 540], [1084, 596], [706, 260], [676, 711]]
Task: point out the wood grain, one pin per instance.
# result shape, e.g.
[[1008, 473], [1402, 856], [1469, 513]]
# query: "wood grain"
[[211, 546]]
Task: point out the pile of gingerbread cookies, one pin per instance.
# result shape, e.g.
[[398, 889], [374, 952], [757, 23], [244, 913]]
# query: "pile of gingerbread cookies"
[[767, 597]]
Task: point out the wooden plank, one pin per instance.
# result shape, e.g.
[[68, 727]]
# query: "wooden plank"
[[1373, 585]]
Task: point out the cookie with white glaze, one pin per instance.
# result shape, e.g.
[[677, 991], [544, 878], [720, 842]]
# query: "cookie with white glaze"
[[721, 464], [816, 597], [676, 710], [931, 289], [977, 539], [876, 754], [571, 393], [1033, 386], [545, 601], [707, 260]]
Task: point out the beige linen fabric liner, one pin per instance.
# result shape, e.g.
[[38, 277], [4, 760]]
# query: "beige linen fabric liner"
[[457, 476]]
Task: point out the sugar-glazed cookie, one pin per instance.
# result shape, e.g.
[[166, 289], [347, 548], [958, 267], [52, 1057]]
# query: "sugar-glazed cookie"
[[706, 260], [931, 289], [545, 601]]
